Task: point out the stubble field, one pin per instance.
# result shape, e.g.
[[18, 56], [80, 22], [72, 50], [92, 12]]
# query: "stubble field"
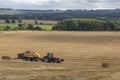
[[84, 52]]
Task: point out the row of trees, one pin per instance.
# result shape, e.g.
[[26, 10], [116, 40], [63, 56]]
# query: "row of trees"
[[88, 25], [13, 21], [28, 27], [19, 21], [22, 27]]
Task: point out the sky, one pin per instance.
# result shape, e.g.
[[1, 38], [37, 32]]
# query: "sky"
[[60, 4]]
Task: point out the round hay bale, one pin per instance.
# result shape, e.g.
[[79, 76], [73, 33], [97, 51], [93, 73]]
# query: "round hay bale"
[[6, 58], [105, 65]]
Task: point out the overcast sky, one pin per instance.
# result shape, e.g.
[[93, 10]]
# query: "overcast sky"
[[60, 4]]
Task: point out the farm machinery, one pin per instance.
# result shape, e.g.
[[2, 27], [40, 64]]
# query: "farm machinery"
[[34, 56], [51, 58]]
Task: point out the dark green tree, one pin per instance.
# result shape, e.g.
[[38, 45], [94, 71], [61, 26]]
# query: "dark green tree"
[[21, 26], [13, 21], [7, 28], [30, 27], [7, 21], [37, 28]]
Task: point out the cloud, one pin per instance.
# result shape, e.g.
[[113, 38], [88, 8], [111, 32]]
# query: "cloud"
[[60, 4], [102, 1]]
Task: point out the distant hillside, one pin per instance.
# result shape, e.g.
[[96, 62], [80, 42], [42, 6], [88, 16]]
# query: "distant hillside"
[[8, 11], [58, 14], [4, 12]]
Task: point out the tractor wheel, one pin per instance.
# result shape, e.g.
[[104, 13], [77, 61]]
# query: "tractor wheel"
[[62, 60], [38, 60], [45, 59], [32, 60], [25, 59]]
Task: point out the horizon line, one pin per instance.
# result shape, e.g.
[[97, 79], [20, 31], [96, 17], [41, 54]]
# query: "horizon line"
[[57, 9]]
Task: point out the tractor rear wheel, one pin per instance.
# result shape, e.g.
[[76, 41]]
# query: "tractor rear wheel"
[[46, 59]]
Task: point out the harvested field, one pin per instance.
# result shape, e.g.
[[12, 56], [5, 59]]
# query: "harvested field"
[[84, 53], [40, 21], [2, 21]]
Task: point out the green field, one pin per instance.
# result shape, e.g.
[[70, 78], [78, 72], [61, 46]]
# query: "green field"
[[45, 27], [13, 26]]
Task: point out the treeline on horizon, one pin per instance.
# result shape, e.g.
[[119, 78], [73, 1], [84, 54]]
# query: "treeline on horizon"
[[73, 24], [59, 15], [87, 24]]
